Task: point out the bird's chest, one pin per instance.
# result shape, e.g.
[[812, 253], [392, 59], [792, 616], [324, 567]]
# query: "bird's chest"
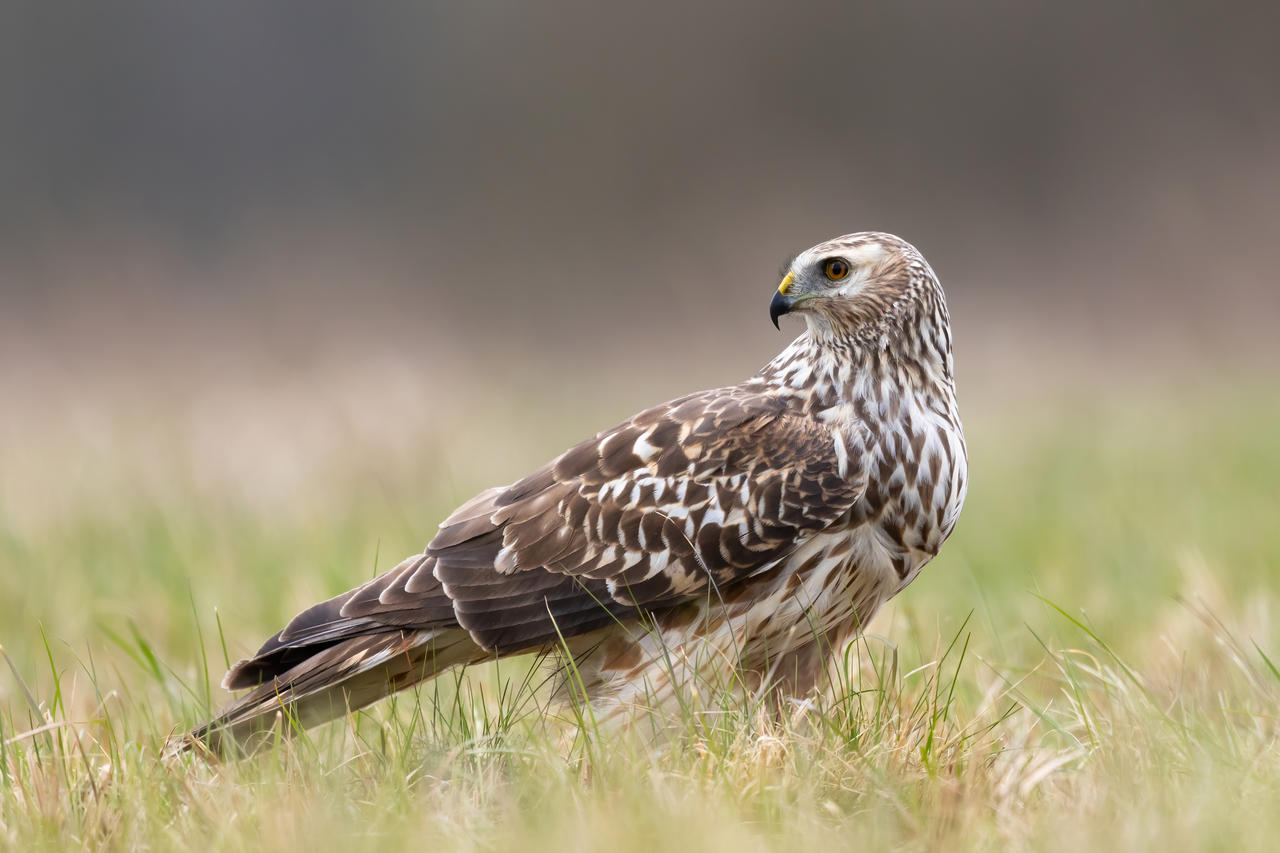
[[916, 473]]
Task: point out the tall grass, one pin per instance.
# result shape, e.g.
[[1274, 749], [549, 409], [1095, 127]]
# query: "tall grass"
[[1091, 663]]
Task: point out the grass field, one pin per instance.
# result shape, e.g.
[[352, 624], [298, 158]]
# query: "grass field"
[[1090, 664]]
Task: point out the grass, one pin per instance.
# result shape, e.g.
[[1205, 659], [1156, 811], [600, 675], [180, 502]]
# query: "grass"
[[1091, 663]]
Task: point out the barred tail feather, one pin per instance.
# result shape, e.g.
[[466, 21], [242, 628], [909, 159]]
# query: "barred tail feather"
[[334, 680]]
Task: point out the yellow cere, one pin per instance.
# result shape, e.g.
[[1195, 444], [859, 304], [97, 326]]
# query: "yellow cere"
[[786, 283]]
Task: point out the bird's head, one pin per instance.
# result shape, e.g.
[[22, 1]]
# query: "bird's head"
[[855, 285]]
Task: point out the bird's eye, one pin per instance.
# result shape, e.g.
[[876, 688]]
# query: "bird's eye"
[[836, 269]]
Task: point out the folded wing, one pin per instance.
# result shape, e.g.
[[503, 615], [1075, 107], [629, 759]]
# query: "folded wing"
[[684, 500]]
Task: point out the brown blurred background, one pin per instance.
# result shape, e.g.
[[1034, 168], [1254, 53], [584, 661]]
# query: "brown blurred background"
[[395, 200]]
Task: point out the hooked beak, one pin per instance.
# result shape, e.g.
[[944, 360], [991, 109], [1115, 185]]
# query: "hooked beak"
[[781, 303], [777, 307]]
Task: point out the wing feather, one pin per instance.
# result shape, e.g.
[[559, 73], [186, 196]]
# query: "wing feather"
[[700, 495], [704, 492], [707, 490]]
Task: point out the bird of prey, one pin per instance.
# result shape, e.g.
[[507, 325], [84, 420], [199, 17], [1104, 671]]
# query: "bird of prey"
[[754, 528]]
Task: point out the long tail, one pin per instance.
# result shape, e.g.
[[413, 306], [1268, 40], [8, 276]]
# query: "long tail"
[[344, 677], [339, 656]]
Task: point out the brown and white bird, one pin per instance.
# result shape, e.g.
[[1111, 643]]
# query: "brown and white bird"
[[752, 529]]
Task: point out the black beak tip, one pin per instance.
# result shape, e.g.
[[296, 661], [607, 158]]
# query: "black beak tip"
[[779, 306]]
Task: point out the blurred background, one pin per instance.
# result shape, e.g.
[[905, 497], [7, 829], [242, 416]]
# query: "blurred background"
[[570, 184], [303, 261]]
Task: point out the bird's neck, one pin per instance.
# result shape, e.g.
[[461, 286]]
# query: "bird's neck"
[[829, 366]]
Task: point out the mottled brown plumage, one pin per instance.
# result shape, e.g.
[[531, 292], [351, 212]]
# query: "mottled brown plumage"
[[755, 527]]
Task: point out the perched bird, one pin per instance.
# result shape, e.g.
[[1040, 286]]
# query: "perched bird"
[[753, 529]]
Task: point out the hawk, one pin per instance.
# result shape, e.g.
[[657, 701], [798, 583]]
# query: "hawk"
[[752, 529]]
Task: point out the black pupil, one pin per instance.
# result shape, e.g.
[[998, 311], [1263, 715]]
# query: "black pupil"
[[837, 269]]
